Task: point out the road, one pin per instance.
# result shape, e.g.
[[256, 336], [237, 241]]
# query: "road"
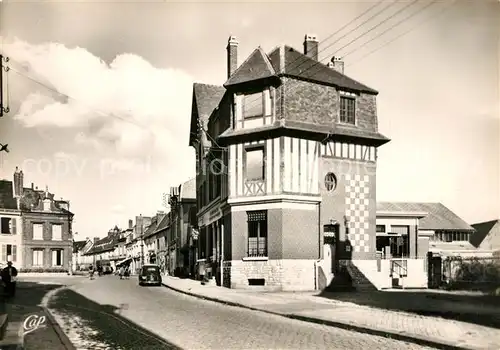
[[96, 314]]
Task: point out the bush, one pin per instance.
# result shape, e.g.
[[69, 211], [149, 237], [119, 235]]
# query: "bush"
[[43, 270], [478, 274]]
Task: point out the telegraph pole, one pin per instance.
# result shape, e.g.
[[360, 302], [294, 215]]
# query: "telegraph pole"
[[3, 109]]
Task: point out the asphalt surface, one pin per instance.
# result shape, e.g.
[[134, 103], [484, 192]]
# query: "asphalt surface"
[[108, 313]]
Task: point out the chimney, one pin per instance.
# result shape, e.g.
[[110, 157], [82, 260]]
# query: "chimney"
[[232, 55], [337, 64], [130, 223], [311, 46], [16, 182], [21, 183], [32, 186], [96, 239]]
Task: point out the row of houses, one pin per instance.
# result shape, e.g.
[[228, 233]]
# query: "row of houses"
[[158, 239], [35, 227]]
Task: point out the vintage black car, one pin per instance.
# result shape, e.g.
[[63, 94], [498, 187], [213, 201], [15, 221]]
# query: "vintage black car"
[[150, 275]]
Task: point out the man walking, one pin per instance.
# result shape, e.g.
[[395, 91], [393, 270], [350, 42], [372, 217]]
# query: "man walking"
[[9, 275]]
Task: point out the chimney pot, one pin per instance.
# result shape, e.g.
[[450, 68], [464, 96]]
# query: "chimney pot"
[[232, 55], [311, 46], [338, 64]]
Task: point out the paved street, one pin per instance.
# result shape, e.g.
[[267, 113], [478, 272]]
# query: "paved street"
[[94, 308], [27, 302]]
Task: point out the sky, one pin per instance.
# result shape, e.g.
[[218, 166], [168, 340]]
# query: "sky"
[[100, 94]]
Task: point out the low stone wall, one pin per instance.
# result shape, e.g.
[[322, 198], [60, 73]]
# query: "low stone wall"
[[273, 275]]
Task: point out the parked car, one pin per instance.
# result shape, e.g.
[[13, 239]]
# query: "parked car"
[[149, 274]]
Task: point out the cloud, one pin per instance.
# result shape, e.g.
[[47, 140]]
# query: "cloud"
[[128, 104]]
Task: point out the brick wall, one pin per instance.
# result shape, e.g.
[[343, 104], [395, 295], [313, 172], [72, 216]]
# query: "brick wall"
[[319, 104]]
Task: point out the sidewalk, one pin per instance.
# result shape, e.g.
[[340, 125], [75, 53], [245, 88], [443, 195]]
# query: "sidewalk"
[[307, 306]]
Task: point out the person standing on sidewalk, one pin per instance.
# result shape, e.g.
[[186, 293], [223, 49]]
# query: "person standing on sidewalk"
[[9, 275]]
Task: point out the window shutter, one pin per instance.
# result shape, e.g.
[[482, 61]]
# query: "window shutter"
[[54, 258], [4, 252], [14, 253], [13, 227]]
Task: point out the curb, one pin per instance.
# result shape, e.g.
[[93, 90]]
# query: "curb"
[[4, 322], [60, 333], [434, 343]]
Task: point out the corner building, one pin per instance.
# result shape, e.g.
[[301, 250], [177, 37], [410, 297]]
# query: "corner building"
[[297, 140]]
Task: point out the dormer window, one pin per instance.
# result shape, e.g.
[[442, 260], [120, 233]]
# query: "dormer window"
[[46, 204]]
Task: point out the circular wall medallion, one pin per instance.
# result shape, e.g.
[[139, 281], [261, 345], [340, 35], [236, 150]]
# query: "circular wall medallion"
[[330, 182]]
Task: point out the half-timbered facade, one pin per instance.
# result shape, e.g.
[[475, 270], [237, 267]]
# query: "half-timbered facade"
[[286, 156]]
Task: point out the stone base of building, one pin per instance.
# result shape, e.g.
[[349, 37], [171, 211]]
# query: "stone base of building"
[[270, 275]]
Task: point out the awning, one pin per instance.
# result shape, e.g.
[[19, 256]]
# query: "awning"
[[123, 261]]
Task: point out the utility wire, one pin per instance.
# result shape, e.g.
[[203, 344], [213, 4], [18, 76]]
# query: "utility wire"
[[392, 27], [74, 99], [345, 26], [443, 10], [378, 25]]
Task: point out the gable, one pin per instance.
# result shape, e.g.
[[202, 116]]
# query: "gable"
[[257, 66], [206, 98], [487, 235]]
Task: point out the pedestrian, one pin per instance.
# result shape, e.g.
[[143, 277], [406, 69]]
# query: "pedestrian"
[[122, 272], [9, 276], [91, 272], [127, 272]]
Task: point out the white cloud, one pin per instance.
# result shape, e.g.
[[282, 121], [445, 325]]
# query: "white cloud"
[[128, 104]]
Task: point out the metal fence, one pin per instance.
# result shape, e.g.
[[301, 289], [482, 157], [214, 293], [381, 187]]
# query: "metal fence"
[[477, 273]]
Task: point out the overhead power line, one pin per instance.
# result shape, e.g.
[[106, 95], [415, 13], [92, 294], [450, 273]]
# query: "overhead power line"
[[411, 29], [377, 25], [392, 27], [346, 25]]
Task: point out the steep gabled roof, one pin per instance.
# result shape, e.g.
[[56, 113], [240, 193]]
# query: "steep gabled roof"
[[164, 223], [286, 61], [256, 66], [438, 216], [78, 245], [482, 231], [206, 98]]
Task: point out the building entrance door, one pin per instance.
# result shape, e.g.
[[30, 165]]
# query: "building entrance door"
[[330, 240]]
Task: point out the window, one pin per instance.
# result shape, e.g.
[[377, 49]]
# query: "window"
[[8, 226], [56, 232], [38, 231], [330, 182], [253, 105], [37, 257], [257, 233], [381, 228], [9, 252], [57, 257], [254, 164], [347, 110]]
